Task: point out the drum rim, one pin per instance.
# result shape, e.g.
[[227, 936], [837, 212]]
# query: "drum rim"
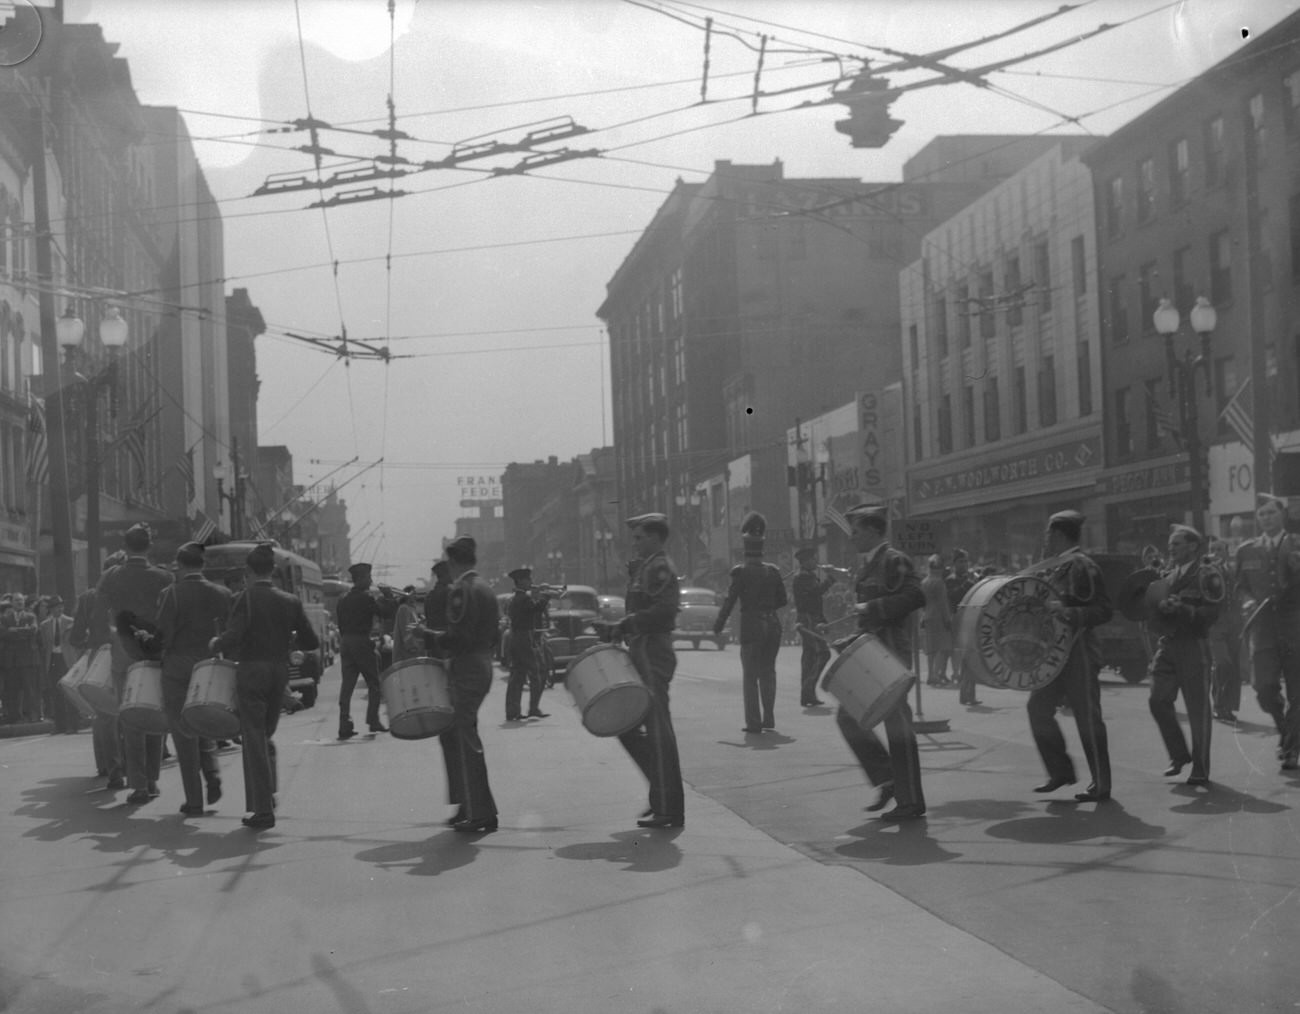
[[895, 694], [591, 651], [605, 691]]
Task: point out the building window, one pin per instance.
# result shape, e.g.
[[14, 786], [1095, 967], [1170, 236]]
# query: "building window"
[[963, 314], [987, 323], [1047, 392], [1153, 426], [1085, 378], [1146, 190], [918, 441], [675, 294], [1258, 134], [968, 413], [915, 346], [1147, 278], [1123, 426], [1178, 166], [1182, 272], [1011, 282], [945, 424], [1118, 310], [1225, 386], [1079, 266], [1220, 268], [1043, 275], [1214, 164], [1020, 401], [992, 411], [941, 325], [1114, 207]]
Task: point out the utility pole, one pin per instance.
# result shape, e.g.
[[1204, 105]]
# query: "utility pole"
[[237, 503]]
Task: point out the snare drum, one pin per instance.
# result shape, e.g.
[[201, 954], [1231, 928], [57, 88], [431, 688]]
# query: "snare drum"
[[418, 698], [96, 684], [867, 680], [142, 698], [211, 707], [68, 685], [607, 690]]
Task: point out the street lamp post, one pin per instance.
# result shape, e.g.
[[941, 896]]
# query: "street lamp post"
[[604, 546], [688, 508], [1182, 372], [112, 333]]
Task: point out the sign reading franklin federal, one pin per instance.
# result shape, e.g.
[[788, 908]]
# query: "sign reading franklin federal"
[[1007, 631]]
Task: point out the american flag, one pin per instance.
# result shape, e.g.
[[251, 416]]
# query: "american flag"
[[1237, 414], [204, 527], [38, 448], [186, 465], [132, 440], [837, 518]]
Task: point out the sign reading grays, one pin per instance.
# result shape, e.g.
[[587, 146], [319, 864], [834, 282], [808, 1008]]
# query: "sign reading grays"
[[479, 487]]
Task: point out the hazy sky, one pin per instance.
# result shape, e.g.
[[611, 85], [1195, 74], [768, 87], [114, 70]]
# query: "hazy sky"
[[493, 282]]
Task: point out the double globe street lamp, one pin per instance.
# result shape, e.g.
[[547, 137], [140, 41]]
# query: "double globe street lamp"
[[1182, 372]]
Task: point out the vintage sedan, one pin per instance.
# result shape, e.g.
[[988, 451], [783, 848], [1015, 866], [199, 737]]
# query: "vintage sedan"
[[572, 631], [699, 611]]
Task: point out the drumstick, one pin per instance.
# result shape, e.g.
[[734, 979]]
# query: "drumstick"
[[812, 633]]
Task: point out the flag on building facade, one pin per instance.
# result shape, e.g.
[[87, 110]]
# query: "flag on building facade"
[[186, 465], [38, 447], [204, 527], [1237, 414]]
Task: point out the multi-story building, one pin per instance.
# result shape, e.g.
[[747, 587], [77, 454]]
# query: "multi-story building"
[[526, 488], [1199, 197], [1002, 369], [243, 323]]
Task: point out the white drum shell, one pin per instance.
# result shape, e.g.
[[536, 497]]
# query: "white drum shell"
[[417, 695], [867, 680], [96, 684], [68, 685], [211, 705], [142, 700], [607, 690]]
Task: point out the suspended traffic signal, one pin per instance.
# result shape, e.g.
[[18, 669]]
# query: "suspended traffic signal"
[[868, 124]]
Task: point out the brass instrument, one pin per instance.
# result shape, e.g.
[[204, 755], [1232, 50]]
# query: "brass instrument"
[[550, 590], [840, 572]]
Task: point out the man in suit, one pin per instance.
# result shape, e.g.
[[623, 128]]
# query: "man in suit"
[[57, 654], [265, 624], [472, 629], [1182, 657], [358, 612], [887, 592], [527, 611], [958, 583], [190, 612], [1081, 601], [132, 590], [759, 589], [1268, 582], [808, 589]]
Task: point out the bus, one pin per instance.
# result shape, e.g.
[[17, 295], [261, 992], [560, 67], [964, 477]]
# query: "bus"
[[226, 564]]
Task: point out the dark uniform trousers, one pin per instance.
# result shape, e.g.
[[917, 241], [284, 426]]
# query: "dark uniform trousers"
[[1078, 686], [524, 668], [812, 660], [758, 672], [652, 745], [358, 658], [1275, 662], [142, 751], [900, 764], [469, 678], [260, 687], [195, 756], [1182, 662]]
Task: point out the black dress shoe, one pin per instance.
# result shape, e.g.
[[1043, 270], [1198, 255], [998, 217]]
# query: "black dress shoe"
[[260, 821], [1092, 795], [1198, 780], [347, 733], [751, 728], [154, 791], [812, 702], [661, 820], [192, 811], [1052, 784], [378, 727], [1290, 762], [454, 819], [539, 714], [116, 783], [769, 725], [1175, 768], [214, 790], [910, 812], [485, 826], [883, 800], [514, 718], [138, 797]]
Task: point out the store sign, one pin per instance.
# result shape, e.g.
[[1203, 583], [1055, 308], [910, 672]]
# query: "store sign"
[[915, 538], [16, 537], [1135, 482], [1003, 474], [479, 487], [871, 478]]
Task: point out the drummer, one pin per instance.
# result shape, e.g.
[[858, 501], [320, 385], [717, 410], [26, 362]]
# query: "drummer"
[[888, 592], [190, 612], [1082, 602]]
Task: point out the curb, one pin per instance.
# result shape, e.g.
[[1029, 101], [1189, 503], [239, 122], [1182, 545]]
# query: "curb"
[[26, 729]]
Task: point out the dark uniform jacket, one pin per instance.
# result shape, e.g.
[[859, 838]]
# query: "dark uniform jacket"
[[958, 585], [357, 612], [265, 625], [190, 613], [888, 583], [473, 618], [653, 596], [525, 614], [133, 587], [1199, 590], [1271, 574], [758, 587], [89, 626], [809, 593], [435, 613], [1081, 587]]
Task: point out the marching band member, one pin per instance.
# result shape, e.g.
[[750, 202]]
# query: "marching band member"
[[958, 583], [1082, 603], [407, 641], [759, 589], [435, 608], [1268, 580], [1225, 638], [190, 611], [470, 636], [888, 592], [1182, 659], [357, 611], [527, 615], [808, 590], [653, 598]]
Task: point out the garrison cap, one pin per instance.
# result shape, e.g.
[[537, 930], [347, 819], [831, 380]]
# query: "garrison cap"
[[1265, 499], [1068, 523], [138, 536], [1187, 532], [520, 573], [190, 554], [360, 570], [754, 525], [645, 519], [872, 514], [261, 556]]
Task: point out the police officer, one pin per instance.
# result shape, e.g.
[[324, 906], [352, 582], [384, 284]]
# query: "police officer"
[[1182, 658], [357, 611], [808, 589], [265, 624], [527, 612], [1268, 582], [133, 588], [887, 592], [472, 629], [190, 612], [653, 598], [759, 589], [1081, 601]]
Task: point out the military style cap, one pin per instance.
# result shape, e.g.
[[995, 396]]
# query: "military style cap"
[[190, 554], [960, 554], [806, 553], [261, 555], [1187, 532], [870, 513], [55, 600], [519, 573], [1265, 499], [440, 568], [754, 525], [1068, 523], [463, 544], [138, 536], [360, 570], [642, 519]]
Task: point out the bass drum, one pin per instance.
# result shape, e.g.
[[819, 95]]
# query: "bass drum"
[[1006, 635]]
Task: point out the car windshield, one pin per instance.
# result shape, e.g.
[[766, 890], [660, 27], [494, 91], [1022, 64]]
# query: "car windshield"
[[577, 600], [698, 597]]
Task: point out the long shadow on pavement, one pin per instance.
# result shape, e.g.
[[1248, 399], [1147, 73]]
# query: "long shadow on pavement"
[[905, 844], [1065, 822], [428, 858], [769, 740], [1218, 799], [637, 851]]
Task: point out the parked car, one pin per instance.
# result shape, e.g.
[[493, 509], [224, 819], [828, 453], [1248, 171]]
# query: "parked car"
[[612, 608], [572, 630], [699, 611], [304, 675]]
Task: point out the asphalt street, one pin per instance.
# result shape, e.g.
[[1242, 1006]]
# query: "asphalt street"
[[780, 894]]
